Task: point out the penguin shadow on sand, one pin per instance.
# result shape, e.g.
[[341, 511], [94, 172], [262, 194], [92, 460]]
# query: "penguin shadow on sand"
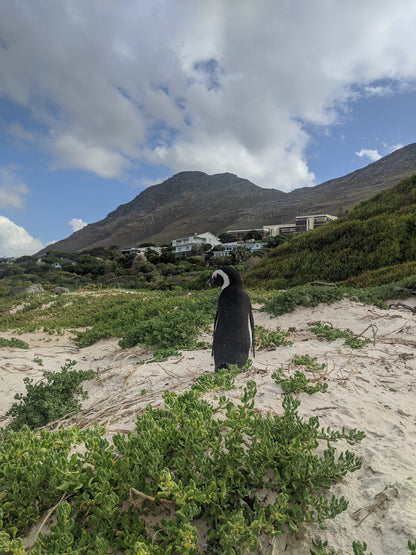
[[234, 322]]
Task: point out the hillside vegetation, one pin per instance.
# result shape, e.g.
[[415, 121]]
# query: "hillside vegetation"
[[378, 234]]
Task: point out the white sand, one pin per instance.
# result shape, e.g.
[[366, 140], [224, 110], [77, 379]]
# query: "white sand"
[[371, 389]]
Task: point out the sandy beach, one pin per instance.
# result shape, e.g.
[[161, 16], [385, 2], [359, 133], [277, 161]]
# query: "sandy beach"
[[371, 389]]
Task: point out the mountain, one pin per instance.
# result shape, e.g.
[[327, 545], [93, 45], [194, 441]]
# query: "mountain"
[[194, 202]]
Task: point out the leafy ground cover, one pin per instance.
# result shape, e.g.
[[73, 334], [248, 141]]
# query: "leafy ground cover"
[[271, 338], [192, 465], [329, 333], [280, 302], [13, 342], [165, 321], [189, 462], [49, 400]]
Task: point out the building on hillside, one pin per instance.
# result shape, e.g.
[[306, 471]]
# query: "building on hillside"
[[141, 250], [302, 224], [230, 247], [279, 229], [306, 223], [186, 245]]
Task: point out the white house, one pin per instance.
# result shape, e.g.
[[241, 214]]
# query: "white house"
[[229, 247], [141, 250], [186, 244]]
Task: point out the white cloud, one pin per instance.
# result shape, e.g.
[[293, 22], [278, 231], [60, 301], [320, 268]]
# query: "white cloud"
[[15, 240], [395, 147], [72, 153], [217, 86], [372, 154], [77, 224], [12, 190]]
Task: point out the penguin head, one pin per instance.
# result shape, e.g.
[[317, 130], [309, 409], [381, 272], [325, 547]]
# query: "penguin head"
[[223, 277]]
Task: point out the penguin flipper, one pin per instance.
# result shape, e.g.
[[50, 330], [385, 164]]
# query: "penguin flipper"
[[215, 327], [252, 332]]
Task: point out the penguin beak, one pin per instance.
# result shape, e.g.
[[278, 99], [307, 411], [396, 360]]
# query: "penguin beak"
[[213, 281]]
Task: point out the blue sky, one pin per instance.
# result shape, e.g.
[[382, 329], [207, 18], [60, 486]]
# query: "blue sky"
[[99, 100]]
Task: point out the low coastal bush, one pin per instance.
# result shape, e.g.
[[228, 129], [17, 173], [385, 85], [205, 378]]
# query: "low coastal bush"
[[188, 463], [165, 321], [265, 338], [331, 334], [298, 382], [49, 400], [281, 302], [13, 342]]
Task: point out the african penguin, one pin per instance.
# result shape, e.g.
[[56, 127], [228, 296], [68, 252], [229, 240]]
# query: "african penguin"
[[234, 323]]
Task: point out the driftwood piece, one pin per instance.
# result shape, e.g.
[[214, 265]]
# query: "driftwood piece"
[[402, 305]]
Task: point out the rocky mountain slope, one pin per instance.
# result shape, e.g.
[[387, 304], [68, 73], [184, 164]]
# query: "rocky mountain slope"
[[194, 202]]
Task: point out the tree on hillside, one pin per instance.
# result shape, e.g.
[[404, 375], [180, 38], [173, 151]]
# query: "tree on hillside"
[[227, 237], [253, 234]]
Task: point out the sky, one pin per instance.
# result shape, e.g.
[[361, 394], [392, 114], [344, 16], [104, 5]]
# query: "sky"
[[100, 99]]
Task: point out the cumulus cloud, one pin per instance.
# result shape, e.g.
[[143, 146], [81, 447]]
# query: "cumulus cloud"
[[15, 240], [12, 189], [372, 154], [217, 86], [77, 224], [72, 153]]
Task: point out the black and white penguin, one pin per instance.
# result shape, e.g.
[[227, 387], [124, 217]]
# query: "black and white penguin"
[[234, 323]]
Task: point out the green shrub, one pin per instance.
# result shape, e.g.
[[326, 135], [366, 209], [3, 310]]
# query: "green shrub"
[[265, 338], [50, 400], [211, 468], [310, 363], [289, 300], [331, 334], [190, 461], [299, 382], [33, 468], [383, 276], [13, 342]]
